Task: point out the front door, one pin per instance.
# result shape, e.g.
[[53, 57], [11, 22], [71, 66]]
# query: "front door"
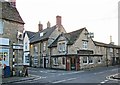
[[44, 62], [73, 63]]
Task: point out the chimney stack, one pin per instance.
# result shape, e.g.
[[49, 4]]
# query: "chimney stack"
[[48, 24], [58, 20], [12, 3], [111, 40], [40, 27]]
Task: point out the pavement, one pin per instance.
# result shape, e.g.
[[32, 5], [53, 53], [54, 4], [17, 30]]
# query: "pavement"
[[14, 79]]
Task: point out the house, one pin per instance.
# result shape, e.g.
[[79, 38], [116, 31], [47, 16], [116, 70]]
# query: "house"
[[39, 52], [77, 50], [26, 47], [110, 52], [11, 44]]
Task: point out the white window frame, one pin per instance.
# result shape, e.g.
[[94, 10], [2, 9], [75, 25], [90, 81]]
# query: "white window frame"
[[92, 59], [41, 34], [36, 49], [85, 45], [111, 49], [55, 61], [86, 60], [62, 47], [44, 46]]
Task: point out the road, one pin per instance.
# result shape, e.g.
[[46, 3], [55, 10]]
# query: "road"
[[98, 75]]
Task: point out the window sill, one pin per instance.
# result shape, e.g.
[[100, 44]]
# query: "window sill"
[[55, 64], [91, 63]]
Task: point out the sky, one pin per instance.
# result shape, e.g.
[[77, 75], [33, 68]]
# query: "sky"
[[98, 16]]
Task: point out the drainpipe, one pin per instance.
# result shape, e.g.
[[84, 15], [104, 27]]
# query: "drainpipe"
[[106, 58]]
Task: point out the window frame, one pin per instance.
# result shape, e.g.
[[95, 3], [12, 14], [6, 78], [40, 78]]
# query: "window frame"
[[62, 47], [55, 61], [85, 59], [91, 59], [85, 44]]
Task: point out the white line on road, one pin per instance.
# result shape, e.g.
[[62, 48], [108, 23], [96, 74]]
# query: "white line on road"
[[103, 81], [64, 80], [105, 71]]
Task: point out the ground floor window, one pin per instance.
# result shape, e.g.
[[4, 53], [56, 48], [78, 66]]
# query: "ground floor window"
[[26, 59], [35, 60], [90, 60], [55, 61], [85, 60], [99, 59]]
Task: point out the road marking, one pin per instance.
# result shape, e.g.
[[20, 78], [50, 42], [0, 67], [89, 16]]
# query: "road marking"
[[64, 80], [110, 77], [104, 81], [105, 71]]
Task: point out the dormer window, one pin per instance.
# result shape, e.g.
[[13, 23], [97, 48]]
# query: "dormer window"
[[41, 34]]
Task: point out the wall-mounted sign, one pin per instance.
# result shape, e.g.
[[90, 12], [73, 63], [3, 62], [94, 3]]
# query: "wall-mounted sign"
[[4, 41]]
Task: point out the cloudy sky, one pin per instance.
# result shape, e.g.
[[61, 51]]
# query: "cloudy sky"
[[98, 16]]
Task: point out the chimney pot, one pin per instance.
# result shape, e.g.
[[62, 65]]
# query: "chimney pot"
[[48, 24]]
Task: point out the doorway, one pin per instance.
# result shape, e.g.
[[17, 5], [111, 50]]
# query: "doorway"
[[73, 63]]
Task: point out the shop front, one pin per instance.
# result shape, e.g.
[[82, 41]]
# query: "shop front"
[[4, 57]]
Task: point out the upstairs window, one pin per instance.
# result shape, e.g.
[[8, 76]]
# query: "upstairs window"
[[35, 49], [41, 34], [85, 44], [44, 46], [26, 46], [1, 26], [61, 47], [111, 49]]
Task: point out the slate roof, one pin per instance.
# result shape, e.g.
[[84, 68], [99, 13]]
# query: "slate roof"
[[70, 37], [46, 33], [29, 33], [106, 45], [10, 13]]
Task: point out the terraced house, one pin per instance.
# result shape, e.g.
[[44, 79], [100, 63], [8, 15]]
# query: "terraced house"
[[11, 28], [39, 52], [77, 50]]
